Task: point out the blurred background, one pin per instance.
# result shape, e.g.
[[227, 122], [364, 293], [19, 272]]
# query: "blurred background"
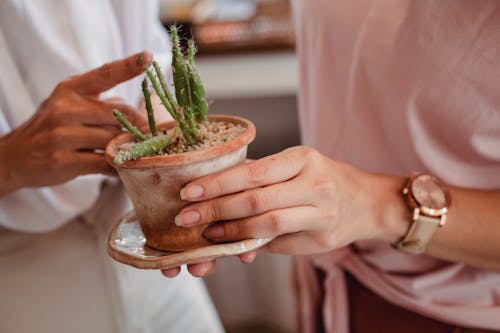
[[247, 62]]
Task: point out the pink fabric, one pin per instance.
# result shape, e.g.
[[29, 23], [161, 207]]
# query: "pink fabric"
[[395, 86]]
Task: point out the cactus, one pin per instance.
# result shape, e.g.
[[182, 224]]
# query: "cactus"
[[149, 108], [188, 110], [131, 128], [198, 97], [148, 147], [171, 107], [181, 79]]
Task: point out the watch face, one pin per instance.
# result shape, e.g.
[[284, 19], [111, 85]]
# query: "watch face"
[[429, 192]]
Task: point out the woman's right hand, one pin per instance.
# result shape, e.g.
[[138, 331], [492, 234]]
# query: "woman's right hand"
[[60, 141]]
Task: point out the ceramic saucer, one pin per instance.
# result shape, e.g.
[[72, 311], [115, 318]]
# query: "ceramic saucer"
[[126, 244]]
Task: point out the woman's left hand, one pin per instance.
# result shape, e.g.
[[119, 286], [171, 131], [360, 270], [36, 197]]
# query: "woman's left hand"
[[308, 202]]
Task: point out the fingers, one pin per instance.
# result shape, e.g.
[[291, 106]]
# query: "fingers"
[[171, 272], [133, 115], [269, 170], [109, 75], [248, 257], [244, 204], [103, 114], [198, 270], [85, 138], [202, 269], [91, 163], [115, 100], [92, 112], [270, 224]]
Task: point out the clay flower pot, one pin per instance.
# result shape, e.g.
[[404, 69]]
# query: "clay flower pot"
[[153, 184]]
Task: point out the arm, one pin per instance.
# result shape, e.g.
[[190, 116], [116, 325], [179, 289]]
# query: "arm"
[[471, 232], [8, 184], [313, 204]]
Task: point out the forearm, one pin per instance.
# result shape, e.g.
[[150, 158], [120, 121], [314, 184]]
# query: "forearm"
[[9, 183], [472, 231], [312, 204]]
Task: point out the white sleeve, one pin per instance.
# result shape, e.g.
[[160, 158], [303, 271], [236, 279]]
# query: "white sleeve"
[[159, 44], [141, 29], [47, 208], [36, 209], [146, 33]]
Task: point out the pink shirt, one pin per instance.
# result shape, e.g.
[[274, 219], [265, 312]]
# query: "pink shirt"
[[395, 86]]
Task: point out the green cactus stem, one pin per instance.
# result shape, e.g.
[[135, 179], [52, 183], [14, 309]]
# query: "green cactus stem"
[[167, 100], [152, 146], [193, 126], [149, 108], [181, 80], [163, 84], [156, 86], [131, 128], [181, 84], [198, 95], [191, 51], [186, 133]]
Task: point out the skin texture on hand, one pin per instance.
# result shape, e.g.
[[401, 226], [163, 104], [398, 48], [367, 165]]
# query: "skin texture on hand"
[[298, 196], [312, 204], [308, 202], [60, 141]]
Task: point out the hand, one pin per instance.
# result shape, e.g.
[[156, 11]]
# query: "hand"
[[60, 141], [206, 268], [308, 202]]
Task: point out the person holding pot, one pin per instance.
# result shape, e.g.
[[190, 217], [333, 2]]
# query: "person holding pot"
[[56, 199], [387, 88]]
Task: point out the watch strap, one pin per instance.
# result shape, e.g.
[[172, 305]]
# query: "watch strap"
[[419, 234]]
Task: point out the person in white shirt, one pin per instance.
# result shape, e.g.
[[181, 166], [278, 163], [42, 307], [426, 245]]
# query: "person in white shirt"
[[56, 200]]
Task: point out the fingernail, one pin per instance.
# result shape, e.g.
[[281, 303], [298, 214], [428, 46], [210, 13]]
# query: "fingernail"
[[171, 272], [140, 59], [191, 192], [214, 232], [187, 218], [143, 58]]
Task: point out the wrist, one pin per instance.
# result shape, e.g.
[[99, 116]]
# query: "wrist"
[[391, 212]]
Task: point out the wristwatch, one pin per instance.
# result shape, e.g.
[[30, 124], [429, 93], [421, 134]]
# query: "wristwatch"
[[428, 199]]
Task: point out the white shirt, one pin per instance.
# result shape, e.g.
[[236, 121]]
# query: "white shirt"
[[44, 42]]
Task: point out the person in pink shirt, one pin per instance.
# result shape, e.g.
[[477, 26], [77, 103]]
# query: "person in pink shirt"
[[388, 88]]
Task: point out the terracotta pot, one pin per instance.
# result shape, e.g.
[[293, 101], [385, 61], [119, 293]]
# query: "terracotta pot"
[[153, 183]]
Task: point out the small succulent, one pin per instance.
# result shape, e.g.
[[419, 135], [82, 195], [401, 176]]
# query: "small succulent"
[[188, 109]]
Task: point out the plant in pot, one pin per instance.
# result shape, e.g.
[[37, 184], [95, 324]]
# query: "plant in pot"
[[154, 163]]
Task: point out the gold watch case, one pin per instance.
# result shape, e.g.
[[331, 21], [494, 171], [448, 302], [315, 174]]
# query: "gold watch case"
[[427, 195], [428, 199]]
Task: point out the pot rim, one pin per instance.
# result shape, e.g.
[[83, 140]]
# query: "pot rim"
[[187, 157]]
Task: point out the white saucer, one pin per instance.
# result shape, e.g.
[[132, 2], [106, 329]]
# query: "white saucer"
[[126, 244]]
